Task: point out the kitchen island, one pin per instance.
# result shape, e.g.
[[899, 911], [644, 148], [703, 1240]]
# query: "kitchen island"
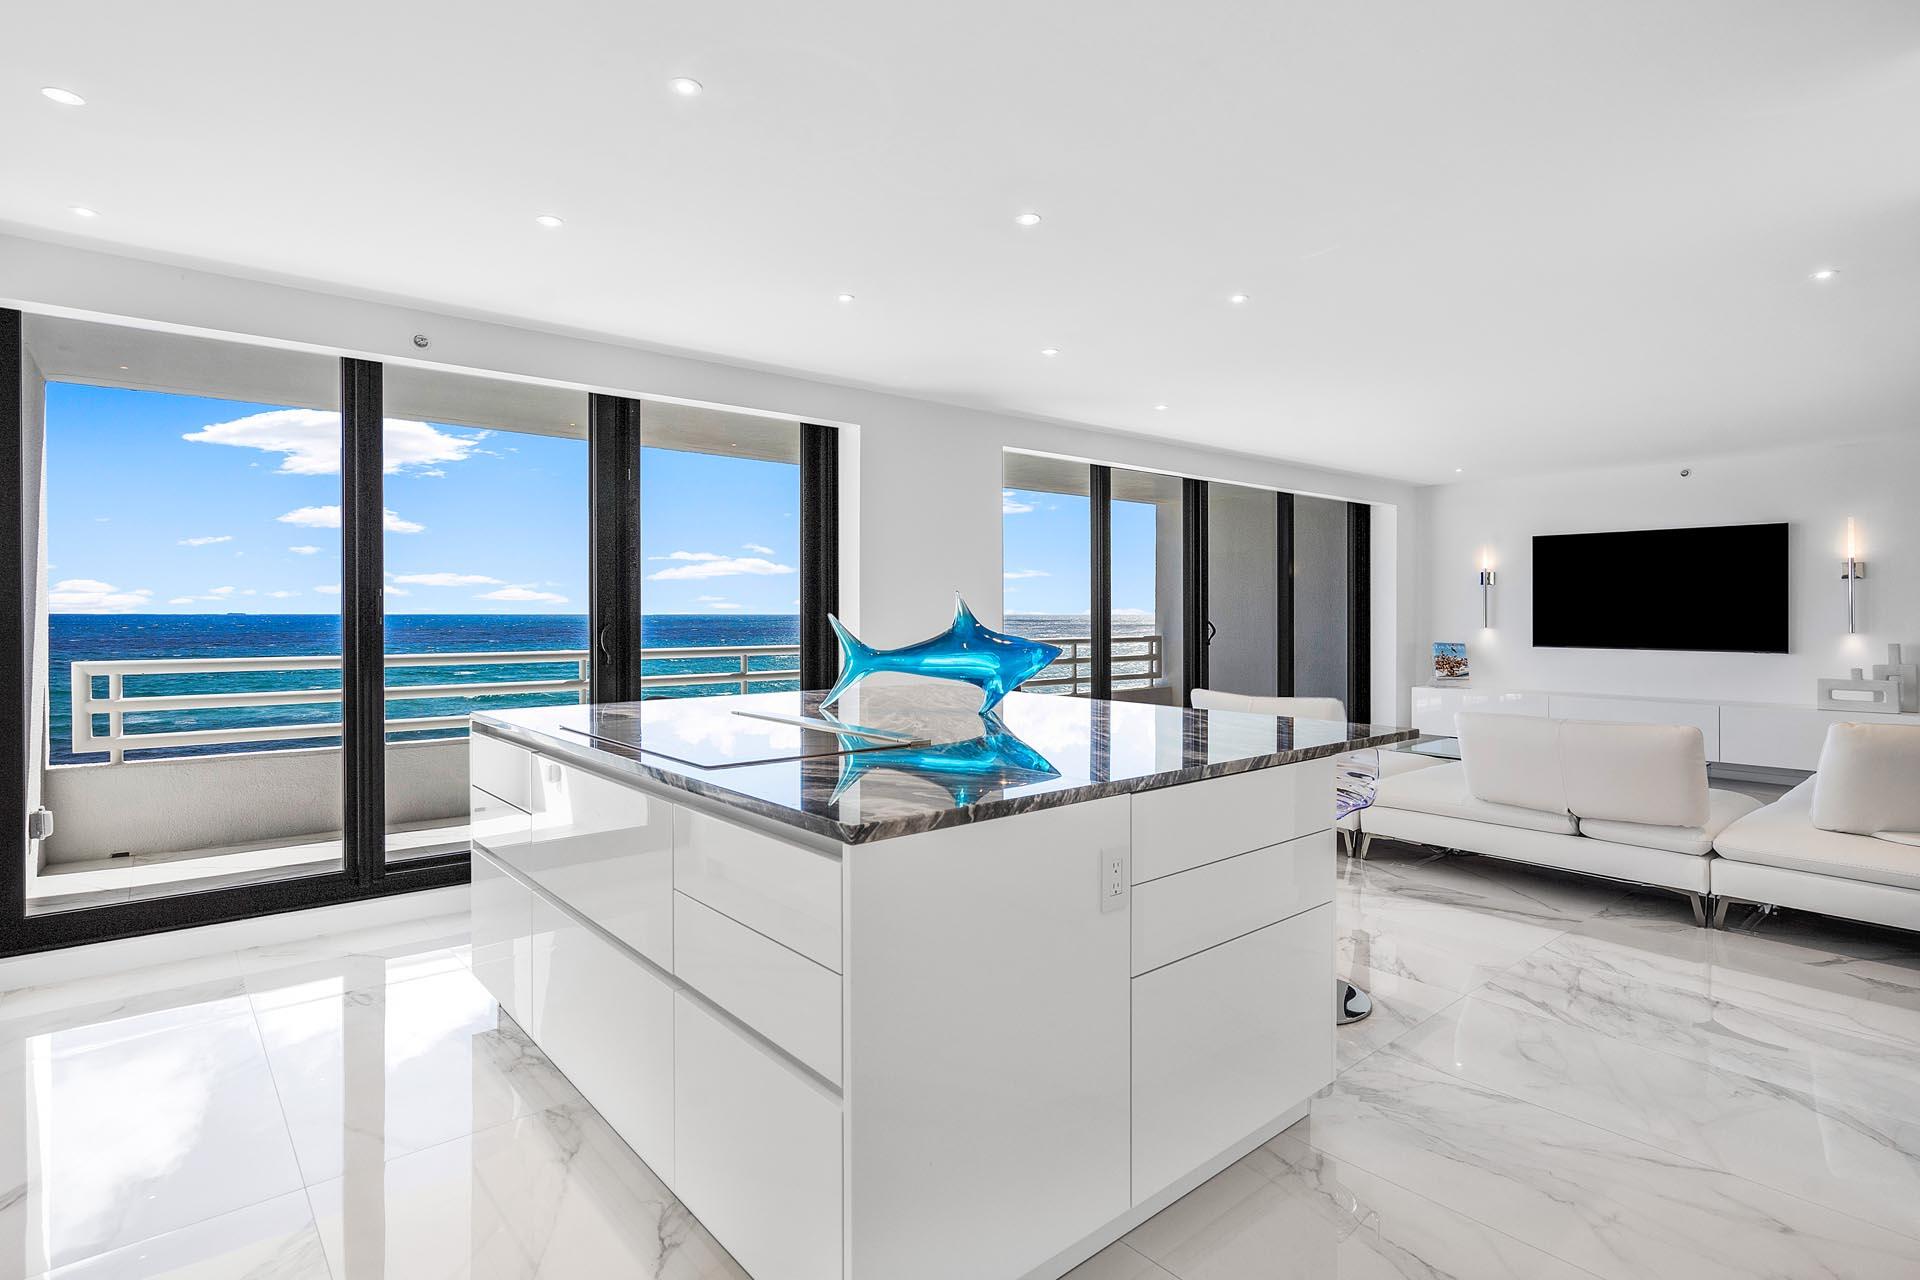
[[919, 993]]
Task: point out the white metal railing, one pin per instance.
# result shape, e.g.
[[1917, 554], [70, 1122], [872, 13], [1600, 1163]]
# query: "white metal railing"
[[1077, 657], [116, 705]]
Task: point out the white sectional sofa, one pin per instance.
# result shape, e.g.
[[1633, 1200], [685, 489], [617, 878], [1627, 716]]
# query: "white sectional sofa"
[[1846, 842], [1628, 802]]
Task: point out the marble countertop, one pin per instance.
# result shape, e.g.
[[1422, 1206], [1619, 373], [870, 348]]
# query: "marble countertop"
[[1039, 751]]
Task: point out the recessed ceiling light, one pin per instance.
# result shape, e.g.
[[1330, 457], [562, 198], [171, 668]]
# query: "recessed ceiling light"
[[1027, 219], [65, 97], [550, 222], [685, 87], [123, 368], [1824, 273], [846, 297], [1049, 351], [1160, 408], [1458, 470], [81, 211], [1236, 298]]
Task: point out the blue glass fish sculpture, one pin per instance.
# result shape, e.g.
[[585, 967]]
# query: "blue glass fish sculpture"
[[967, 770], [967, 651]]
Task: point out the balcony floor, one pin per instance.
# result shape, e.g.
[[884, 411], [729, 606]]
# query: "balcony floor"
[[102, 882]]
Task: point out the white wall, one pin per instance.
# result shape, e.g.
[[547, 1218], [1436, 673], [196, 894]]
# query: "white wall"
[[922, 480], [1814, 490]]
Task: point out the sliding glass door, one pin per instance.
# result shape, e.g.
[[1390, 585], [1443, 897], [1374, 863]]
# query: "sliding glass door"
[[1047, 565], [1243, 589]]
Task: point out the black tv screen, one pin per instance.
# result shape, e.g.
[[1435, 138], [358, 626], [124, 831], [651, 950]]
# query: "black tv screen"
[[1719, 590]]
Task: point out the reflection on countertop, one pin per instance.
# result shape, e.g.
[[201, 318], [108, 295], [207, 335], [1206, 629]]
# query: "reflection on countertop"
[[1037, 751]]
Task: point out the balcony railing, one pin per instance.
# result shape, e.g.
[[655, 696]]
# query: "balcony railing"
[[1138, 661], [570, 678]]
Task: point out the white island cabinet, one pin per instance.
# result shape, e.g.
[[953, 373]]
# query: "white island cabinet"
[[960, 1011]]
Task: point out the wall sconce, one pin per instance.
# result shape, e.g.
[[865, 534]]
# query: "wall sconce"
[[1852, 569], [1486, 590]]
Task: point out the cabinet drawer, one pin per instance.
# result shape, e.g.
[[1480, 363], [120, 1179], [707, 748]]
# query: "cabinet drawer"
[[1178, 915], [780, 993], [606, 850], [501, 768], [607, 1021], [789, 894], [1175, 828], [502, 930], [1227, 1041], [757, 1151], [495, 825]]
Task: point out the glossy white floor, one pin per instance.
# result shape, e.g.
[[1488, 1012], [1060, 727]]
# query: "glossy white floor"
[[1564, 1079]]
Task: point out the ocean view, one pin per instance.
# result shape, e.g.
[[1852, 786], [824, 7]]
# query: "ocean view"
[[110, 637]]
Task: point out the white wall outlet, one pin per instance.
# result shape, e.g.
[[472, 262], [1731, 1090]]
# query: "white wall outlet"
[[1113, 879]]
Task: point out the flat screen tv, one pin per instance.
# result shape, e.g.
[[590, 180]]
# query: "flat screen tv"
[[1718, 590]]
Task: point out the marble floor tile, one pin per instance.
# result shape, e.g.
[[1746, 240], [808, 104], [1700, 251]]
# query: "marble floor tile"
[[552, 1195], [401, 1068], [136, 1137], [273, 1240], [1399, 1005], [1450, 948], [1611, 1205], [1822, 1145], [1118, 1262], [1288, 1212], [1483, 885]]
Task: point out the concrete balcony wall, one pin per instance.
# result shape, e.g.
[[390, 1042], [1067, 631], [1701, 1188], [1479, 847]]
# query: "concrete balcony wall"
[[238, 801]]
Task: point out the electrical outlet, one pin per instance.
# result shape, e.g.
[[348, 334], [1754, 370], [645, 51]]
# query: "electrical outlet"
[[1113, 879]]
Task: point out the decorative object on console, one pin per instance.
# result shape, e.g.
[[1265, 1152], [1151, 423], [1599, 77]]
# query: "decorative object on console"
[[1449, 662], [966, 769], [1857, 693], [1907, 673], [1486, 589], [1852, 569], [995, 662]]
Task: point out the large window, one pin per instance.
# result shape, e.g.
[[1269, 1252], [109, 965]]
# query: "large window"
[[485, 550], [187, 625], [720, 551], [1046, 551], [1148, 594]]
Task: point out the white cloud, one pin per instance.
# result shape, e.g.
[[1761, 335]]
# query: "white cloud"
[[696, 565], [329, 518], [756, 548], [526, 594], [305, 551], [396, 591], [1133, 613], [90, 595], [1012, 506], [283, 595], [331, 589], [1013, 575], [308, 441], [718, 604], [447, 579], [181, 600], [205, 542], [220, 591]]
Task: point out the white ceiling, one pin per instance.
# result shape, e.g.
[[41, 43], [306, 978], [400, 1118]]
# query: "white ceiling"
[[1496, 236]]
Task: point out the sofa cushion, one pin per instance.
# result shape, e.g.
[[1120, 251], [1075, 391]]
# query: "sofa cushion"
[[1513, 760], [1783, 835], [1442, 791], [1867, 779], [1723, 809], [1647, 774]]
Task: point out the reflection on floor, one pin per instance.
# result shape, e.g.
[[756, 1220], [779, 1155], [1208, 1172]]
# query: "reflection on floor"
[[1564, 1078]]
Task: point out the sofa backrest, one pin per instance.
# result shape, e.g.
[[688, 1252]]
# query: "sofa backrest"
[[1654, 774], [1513, 760], [1299, 708], [1869, 779]]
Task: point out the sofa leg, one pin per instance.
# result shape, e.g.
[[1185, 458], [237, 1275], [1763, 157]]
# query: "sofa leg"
[[1720, 906], [1699, 904], [1366, 843]]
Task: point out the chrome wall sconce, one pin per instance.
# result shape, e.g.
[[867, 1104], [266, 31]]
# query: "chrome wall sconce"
[[1852, 569], [1486, 591]]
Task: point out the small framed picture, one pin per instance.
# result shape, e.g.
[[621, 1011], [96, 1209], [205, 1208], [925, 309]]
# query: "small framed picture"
[[1449, 660]]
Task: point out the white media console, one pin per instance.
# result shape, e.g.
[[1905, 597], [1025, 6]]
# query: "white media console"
[[1762, 735]]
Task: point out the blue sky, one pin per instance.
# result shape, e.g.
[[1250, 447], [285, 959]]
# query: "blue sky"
[[244, 515], [1045, 553]]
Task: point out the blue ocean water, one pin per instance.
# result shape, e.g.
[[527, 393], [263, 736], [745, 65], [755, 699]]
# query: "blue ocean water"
[[80, 637], [102, 637]]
